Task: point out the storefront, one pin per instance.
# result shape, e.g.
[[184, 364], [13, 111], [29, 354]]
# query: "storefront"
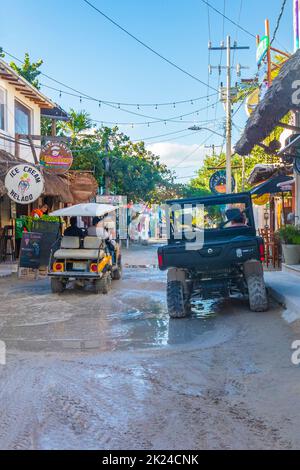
[[283, 181], [57, 191]]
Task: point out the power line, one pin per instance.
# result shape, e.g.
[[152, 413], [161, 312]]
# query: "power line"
[[146, 45], [237, 29], [279, 20], [193, 152], [82, 95], [227, 18]]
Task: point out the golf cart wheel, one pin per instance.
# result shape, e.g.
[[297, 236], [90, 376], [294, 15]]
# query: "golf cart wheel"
[[102, 286], [177, 304], [57, 286], [258, 298], [117, 273]]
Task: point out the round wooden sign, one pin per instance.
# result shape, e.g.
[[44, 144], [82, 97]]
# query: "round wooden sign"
[[56, 157]]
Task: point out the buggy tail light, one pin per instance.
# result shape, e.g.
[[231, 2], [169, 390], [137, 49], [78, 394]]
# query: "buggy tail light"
[[58, 267], [94, 268], [160, 260], [262, 251]]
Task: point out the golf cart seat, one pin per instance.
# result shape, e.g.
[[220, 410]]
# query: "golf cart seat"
[[70, 249]]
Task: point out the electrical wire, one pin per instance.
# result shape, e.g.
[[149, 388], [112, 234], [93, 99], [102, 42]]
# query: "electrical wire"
[[84, 95], [237, 30], [278, 21], [228, 19], [146, 45], [193, 152]]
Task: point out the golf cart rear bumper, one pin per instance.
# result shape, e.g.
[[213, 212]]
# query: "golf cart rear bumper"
[[74, 275]]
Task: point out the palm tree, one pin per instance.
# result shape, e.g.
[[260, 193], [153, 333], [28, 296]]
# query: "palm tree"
[[78, 123]]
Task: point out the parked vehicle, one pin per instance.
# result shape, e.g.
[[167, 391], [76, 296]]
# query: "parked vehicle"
[[86, 259], [227, 261]]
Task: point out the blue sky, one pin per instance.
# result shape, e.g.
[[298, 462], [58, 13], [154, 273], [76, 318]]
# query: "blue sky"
[[83, 50]]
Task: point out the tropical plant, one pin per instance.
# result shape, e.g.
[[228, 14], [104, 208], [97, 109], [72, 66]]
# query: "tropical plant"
[[289, 235], [78, 123], [29, 70]]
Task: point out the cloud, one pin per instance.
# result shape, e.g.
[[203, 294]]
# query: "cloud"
[[172, 154]]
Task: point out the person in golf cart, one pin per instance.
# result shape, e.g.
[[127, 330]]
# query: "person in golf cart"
[[73, 230], [100, 229]]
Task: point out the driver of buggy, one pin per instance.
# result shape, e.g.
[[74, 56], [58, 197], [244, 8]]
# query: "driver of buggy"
[[235, 218]]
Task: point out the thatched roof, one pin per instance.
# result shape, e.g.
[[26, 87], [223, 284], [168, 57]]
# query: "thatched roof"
[[7, 160], [58, 185], [277, 102]]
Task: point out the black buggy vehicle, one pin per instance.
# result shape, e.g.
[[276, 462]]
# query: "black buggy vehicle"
[[213, 251]]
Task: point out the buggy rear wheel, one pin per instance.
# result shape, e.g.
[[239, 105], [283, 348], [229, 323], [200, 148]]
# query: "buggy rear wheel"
[[103, 285], [57, 286], [177, 303], [258, 298], [117, 273]]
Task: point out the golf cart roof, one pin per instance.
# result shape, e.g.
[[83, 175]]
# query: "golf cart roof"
[[85, 210]]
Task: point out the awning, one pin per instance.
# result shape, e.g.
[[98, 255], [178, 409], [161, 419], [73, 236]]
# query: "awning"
[[277, 102], [261, 172], [57, 113], [286, 186], [271, 186]]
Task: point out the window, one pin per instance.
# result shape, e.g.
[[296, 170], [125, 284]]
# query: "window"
[[2, 109], [22, 119]]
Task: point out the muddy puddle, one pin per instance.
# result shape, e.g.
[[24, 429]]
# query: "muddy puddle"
[[132, 316]]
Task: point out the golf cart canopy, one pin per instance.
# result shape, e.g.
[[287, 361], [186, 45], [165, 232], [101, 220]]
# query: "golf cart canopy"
[[85, 210]]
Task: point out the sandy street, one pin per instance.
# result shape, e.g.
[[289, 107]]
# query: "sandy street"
[[87, 371]]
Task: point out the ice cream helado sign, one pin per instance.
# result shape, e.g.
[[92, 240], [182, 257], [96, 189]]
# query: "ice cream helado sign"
[[24, 184], [56, 157]]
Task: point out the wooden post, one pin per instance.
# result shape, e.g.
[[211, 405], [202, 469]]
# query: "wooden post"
[[53, 131], [267, 27], [17, 146], [36, 161]]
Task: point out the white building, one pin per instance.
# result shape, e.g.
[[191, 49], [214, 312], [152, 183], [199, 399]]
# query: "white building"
[[20, 112]]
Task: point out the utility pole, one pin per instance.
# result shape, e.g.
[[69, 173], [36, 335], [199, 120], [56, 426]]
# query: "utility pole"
[[228, 120], [230, 93]]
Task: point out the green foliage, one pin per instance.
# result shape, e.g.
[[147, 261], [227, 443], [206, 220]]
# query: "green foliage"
[[133, 171], [29, 70], [2, 55], [289, 235], [79, 122], [50, 218]]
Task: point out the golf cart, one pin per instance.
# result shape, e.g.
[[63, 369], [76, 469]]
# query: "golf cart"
[[86, 260], [213, 251]]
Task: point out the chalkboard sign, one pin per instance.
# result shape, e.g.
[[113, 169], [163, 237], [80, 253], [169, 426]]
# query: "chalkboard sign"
[[30, 253], [36, 249]]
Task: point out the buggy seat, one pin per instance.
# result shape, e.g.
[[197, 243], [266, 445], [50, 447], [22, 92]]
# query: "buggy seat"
[[93, 248]]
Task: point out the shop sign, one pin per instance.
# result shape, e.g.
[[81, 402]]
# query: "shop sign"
[[261, 200], [24, 184], [217, 182], [56, 157], [262, 49], [30, 250]]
